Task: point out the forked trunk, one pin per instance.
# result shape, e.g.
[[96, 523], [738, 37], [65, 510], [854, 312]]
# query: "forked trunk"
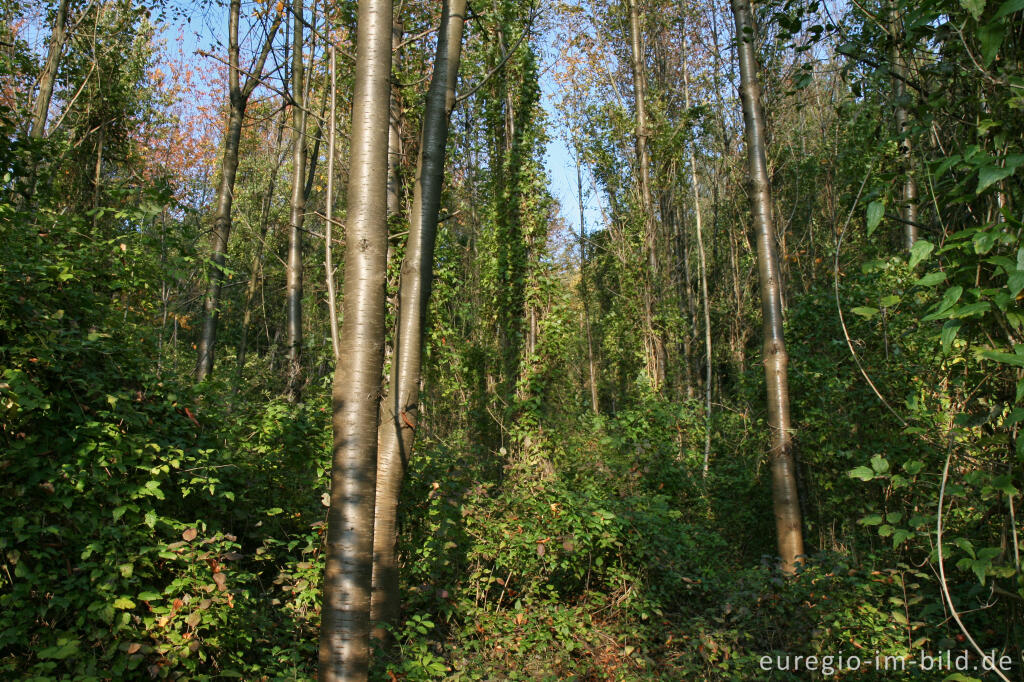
[[238, 99], [345, 617], [400, 414]]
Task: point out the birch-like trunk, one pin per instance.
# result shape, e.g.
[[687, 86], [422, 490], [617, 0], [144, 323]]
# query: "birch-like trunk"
[[703, 278], [783, 468], [293, 279], [908, 208], [397, 429], [332, 305], [345, 617]]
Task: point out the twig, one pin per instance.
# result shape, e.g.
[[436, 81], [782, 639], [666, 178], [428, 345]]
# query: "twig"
[[942, 570], [839, 307]]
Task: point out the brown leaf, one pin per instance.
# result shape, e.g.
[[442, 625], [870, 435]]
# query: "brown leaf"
[[194, 618], [221, 581], [205, 604], [189, 535], [133, 647], [541, 550], [193, 646]]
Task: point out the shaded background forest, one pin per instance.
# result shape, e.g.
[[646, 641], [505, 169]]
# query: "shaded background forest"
[[589, 495]]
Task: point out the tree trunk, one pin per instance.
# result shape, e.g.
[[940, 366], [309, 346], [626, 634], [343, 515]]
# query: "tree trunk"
[[256, 271], [584, 296], [293, 283], [909, 200], [654, 344], [783, 469], [703, 278], [332, 306], [48, 77], [238, 99], [397, 428], [345, 619]]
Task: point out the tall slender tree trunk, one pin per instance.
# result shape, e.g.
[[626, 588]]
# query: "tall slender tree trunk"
[[703, 278], [48, 76], [256, 271], [584, 294], [654, 344], [238, 99], [345, 619], [332, 305], [783, 468], [908, 208], [691, 309], [397, 429], [293, 280]]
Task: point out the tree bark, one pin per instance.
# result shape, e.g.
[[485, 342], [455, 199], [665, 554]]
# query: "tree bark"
[[256, 271], [783, 469], [584, 296], [332, 305], [238, 99], [345, 624], [397, 429], [908, 209], [48, 76], [293, 280], [703, 278], [655, 346]]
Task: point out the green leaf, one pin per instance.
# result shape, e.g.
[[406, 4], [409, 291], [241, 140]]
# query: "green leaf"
[[865, 311], [863, 473], [920, 251], [913, 467], [1015, 282], [951, 296], [871, 520], [61, 651], [124, 603], [1004, 358], [879, 464], [876, 209], [975, 7], [150, 518], [984, 241], [971, 309], [991, 38], [1004, 484], [949, 331], [890, 301], [900, 536], [931, 279], [148, 596], [1008, 7]]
